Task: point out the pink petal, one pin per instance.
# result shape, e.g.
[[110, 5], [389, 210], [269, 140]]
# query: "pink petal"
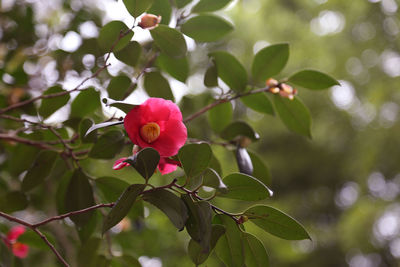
[[172, 137], [119, 164], [167, 165], [15, 232], [20, 250]]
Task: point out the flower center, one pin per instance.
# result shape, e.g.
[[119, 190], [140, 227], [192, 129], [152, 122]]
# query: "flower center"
[[150, 132]]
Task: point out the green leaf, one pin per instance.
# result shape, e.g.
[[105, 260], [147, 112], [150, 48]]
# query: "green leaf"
[[176, 67], [123, 106], [13, 201], [212, 179], [258, 102], [211, 76], [108, 145], [276, 222], [125, 260], [239, 129], [244, 161], [84, 126], [122, 206], [130, 54], [111, 187], [230, 70], [312, 79], [229, 247], [206, 28], [170, 204], [209, 5], [157, 86], [196, 252], [145, 162], [32, 239], [39, 170], [93, 129], [294, 114], [110, 33], [61, 191], [182, 3], [86, 231], [85, 103], [170, 41], [261, 171], [137, 7], [195, 158], [245, 187], [220, 116], [51, 105], [87, 254], [79, 195], [161, 8], [118, 86], [269, 61], [255, 253]]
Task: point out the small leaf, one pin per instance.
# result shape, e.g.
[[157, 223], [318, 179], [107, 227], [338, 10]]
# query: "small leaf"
[[125, 107], [238, 129], [220, 116], [258, 102], [195, 158], [111, 187], [261, 171], [212, 179], [312, 79], [206, 28], [51, 105], [170, 204], [244, 161], [176, 67], [294, 115], [118, 86], [276, 222], [110, 33], [161, 8], [130, 54], [269, 61], [108, 145], [137, 7], [39, 170], [244, 187], [13, 201], [85, 135], [230, 70], [157, 86], [145, 162], [85, 103], [255, 253], [211, 76], [209, 5], [170, 41], [122, 206]]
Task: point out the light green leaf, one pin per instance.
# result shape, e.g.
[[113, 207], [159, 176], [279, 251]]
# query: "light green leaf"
[[206, 28], [176, 67], [220, 116], [108, 145], [110, 34], [51, 105], [85, 103], [157, 86], [118, 87], [312, 79], [137, 7], [261, 171], [161, 8], [244, 187], [258, 102], [130, 54], [182, 3], [212, 179], [170, 41], [209, 5], [255, 253], [238, 129], [195, 158]]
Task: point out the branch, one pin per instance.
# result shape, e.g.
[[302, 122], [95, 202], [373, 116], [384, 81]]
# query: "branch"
[[39, 144]]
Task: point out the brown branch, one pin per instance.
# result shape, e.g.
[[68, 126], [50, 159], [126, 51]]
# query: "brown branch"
[[39, 144]]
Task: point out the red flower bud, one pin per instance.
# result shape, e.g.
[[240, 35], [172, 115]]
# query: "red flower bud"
[[149, 21]]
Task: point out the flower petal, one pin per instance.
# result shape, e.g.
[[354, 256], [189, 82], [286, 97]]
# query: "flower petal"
[[172, 137], [119, 164], [20, 250], [167, 165], [15, 232]]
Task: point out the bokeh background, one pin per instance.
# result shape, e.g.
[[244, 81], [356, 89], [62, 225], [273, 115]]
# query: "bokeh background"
[[343, 185]]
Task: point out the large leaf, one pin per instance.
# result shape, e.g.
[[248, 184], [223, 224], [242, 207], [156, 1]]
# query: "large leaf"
[[255, 253], [85, 103], [239, 129], [211, 76], [209, 5], [258, 102], [161, 8], [145, 162], [294, 114], [220, 116], [110, 33], [170, 204], [111, 187], [260, 170], [40, 169], [170, 41], [118, 86], [230, 70], [195, 158], [212, 179], [137, 7], [244, 161], [87, 254], [108, 145], [13, 201], [206, 28], [51, 105], [269, 61], [157, 85], [276, 222], [312, 79], [122, 206], [182, 3], [124, 106], [130, 54], [176, 67], [245, 187]]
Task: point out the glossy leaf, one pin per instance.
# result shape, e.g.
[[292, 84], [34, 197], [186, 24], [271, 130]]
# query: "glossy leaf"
[[170, 41], [137, 7], [195, 158], [157, 85], [206, 28], [122, 206], [85, 103], [220, 116], [176, 67], [161, 8], [111, 187], [258, 102], [261, 171], [276, 222], [110, 33], [245, 187], [125, 107], [13, 201], [312, 79], [130, 54], [145, 162], [238, 129], [269, 61], [212, 179], [85, 135], [230, 70], [170, 204], [244, 161], [51, 105], [118, 86], [255, 253], [211, 76], [294, 114], [209, 5], [108, 145]]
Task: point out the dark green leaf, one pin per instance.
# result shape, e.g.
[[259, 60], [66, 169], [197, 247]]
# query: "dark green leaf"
[[85, 135], [176, 67], [125, 260], [5, 255], [111, 187], [239, 129], [88, 252], [269, 61], [40, 169], [182, 3], [245, 187], [145, 162], [157, 86], [276, 222], [170, 41], [93, 128], [137, 7], [32, 239], [161, 8], [110, 33], [261, 171], [122, 206], [244, 161], [312, 79], [108, 145], [209, 5], [258, 102], [118, 86], [51, 105], [130, 54], [170, 204], [125, 107], [13, 201], [230, 70], [211, 76], [206, 28], [255, 253], [195, 158], [61, 191], [212, 179], [85, 103], [86, 231], [294, 114], [220, 116]]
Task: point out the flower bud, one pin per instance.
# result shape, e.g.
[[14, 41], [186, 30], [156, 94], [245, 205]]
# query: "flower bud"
[[243, 219], [271, 82], [287, 88], [149, 21], [274, 90]]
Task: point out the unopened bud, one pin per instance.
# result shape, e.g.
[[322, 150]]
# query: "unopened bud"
[[287, 88], [284, 94], [274, 90], [149, 21], [243, 219], [244, 141], [271, 82]]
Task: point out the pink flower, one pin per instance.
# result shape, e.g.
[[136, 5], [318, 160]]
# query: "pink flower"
[[19, 250], [165, 166], [157, 123], [119, 164]]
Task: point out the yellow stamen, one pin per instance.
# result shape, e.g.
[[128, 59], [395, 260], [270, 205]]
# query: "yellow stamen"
[[150, 132]]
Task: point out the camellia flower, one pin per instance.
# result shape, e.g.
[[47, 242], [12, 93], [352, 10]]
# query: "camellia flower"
[[19, 250], [157, 123]]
